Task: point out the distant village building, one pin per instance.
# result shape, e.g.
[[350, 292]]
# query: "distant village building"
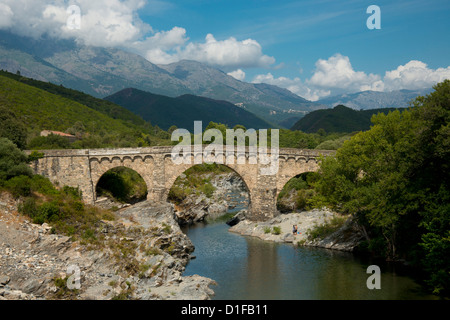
[[70, 137]]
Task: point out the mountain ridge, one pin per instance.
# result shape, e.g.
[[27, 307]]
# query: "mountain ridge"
[[183, 110], [104, 71], [366, 100], [339, 119]]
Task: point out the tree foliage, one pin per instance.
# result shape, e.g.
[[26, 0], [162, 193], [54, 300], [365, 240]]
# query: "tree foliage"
[[13, 162], [395, 180], [12, 128]]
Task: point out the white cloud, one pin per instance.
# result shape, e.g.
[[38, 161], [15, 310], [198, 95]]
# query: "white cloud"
[[111, 23], [238, 74], [103, 22], [415, 75], [6, 15], [338, 73], [229, 53], [336, 76]]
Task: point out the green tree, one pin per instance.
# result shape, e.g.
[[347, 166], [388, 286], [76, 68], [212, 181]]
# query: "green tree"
[[51, 141], [395, 180], [12, 128], [13, 162]]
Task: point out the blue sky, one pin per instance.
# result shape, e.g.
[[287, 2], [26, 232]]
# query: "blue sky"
[[315, 48], [298, 33]]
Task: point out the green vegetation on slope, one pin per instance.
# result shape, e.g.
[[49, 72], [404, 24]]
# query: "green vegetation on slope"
[[39, 110], [394, 179], [196, 180], [338, 119], [184, 110], [103, 106]]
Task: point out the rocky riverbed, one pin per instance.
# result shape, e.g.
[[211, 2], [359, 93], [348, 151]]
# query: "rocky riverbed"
[[35, 264], [196, 207], [346, 237]]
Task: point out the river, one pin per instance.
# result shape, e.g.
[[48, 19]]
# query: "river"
[[247, 268]]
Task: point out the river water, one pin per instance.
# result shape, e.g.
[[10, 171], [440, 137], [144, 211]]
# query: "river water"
[[247, 268]]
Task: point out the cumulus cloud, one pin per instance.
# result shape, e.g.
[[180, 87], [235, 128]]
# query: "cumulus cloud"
[[6, 15], [336, 75], [229, 53], [111, 23], [415, 75], [238, 74], [103, 22]]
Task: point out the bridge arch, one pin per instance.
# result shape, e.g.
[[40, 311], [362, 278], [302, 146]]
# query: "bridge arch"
[[294, 194], [123, 184], [180, 171], [142, 166]]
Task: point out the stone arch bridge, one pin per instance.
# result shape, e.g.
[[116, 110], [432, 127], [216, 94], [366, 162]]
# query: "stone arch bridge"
[[84, 168]]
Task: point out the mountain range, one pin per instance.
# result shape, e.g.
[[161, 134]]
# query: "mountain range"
[[102, 72], [182, 111], [375, 100]]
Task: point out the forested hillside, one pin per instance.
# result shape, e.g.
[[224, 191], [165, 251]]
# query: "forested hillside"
[[338, 119], [95, 123]]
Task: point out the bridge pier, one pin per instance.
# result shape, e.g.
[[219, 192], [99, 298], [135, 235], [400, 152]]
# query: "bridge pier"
[[263, 204]]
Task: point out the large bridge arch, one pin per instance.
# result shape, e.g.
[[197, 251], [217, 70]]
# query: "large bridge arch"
[[174, 176]]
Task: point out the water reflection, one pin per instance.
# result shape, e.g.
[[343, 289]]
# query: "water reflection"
[[246, 268]]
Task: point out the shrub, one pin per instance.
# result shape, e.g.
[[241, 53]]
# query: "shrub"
[[48, 211], [276, 230], [75, 193], [208, 189], [42, 185], [177, 194], [13, 162], [19, 186], [325, 229], [28, 207]]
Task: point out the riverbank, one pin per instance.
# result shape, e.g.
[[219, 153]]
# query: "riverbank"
[[142, 256], [198, 206], [345, 237]]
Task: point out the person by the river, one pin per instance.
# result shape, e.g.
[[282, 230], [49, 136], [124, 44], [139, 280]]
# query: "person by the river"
[[294, 229]]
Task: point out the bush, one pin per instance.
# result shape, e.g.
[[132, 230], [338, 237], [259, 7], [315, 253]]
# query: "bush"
[[42, 185], [13, 162], [276, 230], [208, 189], [51, 141], [19, 186], [177, 194], [11, 128], [326, 229], [28, 207]]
